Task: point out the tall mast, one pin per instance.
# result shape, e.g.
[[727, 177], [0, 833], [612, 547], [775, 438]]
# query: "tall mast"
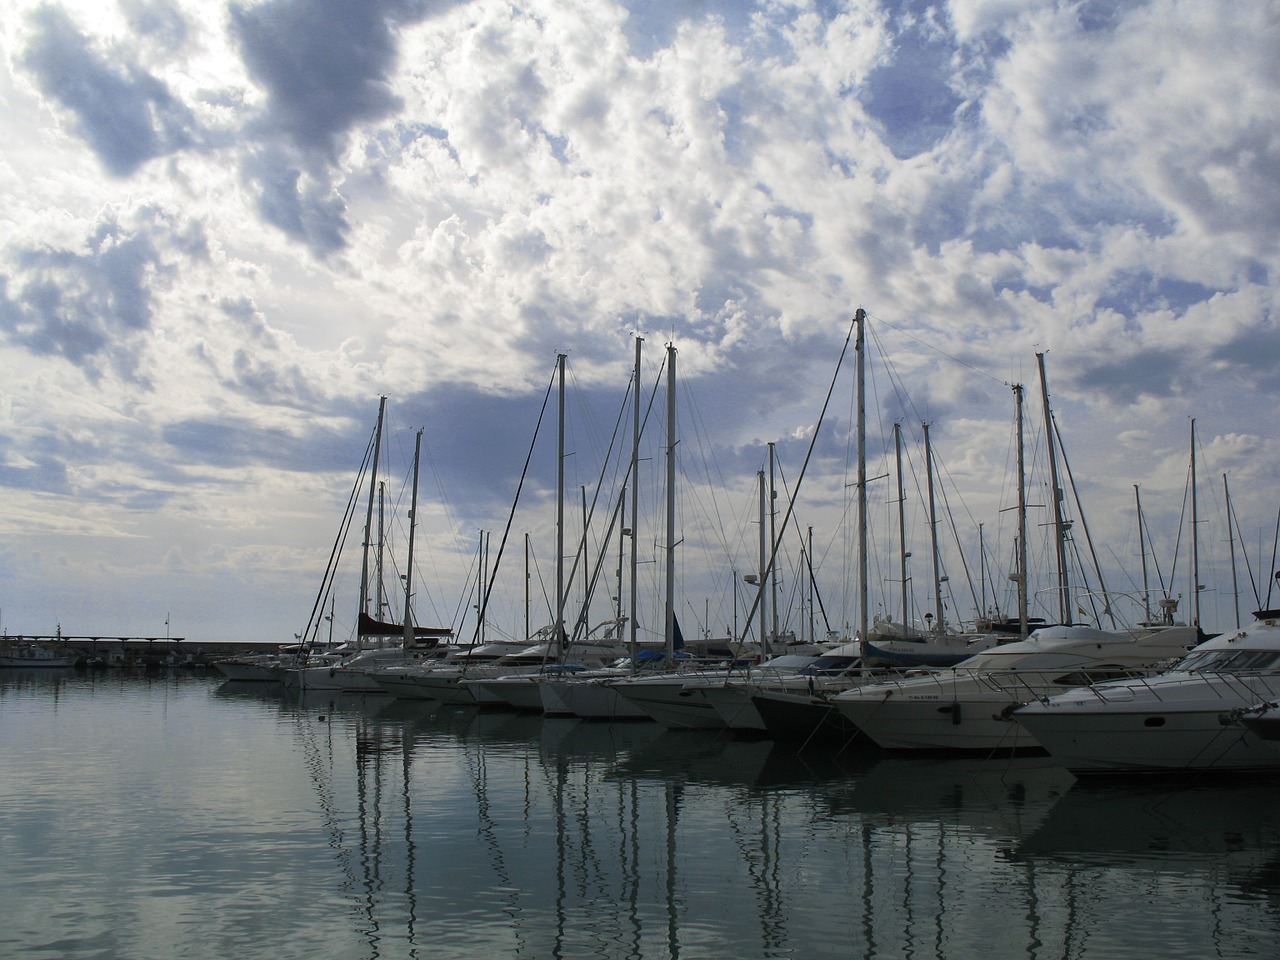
[[413, 523], [670, 617], [860, 318], [1021, 575], [1231, 539], [622, 539], [902, 528], [558, 648], [773, 539], [635, 496], [380, 601], [1195, 536], [813, 637], [368, 517], [762, 602], [1059, 526], [939, 621]]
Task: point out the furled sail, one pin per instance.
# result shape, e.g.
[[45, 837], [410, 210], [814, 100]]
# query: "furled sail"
[[370, 627]]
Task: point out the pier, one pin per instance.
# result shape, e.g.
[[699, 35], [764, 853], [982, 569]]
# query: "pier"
[[134, 652]]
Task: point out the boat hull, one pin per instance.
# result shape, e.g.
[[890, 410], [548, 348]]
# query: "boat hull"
[[677, 704], [1147, 735]]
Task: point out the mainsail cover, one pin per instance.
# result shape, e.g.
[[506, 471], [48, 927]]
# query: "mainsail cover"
[[369, 627]]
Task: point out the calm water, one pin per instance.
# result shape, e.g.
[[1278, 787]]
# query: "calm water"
[[182, 817]]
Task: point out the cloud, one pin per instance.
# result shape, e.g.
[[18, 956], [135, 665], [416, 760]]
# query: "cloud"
[[305, 207], [324, 64], [89, 307], [125, 114]]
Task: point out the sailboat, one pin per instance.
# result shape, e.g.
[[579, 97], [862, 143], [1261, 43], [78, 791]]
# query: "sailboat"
[[377, 642]]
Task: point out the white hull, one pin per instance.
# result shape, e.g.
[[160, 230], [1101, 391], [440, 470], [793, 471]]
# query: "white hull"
[[353, 674], [732, 704], [516, 691], [969, 708], [948, 712], [1167, 726], [675, 702], [1187, 718], [588, 698], [29, 663], [245, 671]]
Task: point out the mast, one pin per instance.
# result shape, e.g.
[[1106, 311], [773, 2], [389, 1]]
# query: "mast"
[[760, 591], [558, 643], [670, 613], [773, 569], [1195, 536], [635, 498], [413, 523], [1231, 539], [380, 603], [1142, 552], [813, 637], [1021, 575], [1059, 526], [902, 528], [860, 318], [368, 518], [622, 538], [939, 623]]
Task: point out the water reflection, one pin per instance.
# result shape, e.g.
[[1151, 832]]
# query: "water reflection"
[[354, 826], [638, 842]]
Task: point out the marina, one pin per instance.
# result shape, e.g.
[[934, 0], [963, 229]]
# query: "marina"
[[178, 814]]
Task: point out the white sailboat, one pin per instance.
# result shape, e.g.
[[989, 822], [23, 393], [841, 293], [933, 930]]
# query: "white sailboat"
[[377, 643]]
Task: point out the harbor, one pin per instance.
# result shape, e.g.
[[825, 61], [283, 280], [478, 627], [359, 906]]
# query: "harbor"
[[180, 812]]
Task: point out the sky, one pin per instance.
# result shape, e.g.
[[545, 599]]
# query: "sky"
[[228, 228]]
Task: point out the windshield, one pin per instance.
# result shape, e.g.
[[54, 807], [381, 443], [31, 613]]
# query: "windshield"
[[1229, 661]]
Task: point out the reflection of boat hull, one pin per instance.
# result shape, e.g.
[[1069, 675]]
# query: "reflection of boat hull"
[[1193, 827]]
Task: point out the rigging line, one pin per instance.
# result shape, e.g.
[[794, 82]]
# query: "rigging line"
[[813, 440], [1155, 557], [942, 353], [506, 532], [896, 381], [580, 553], [804, 551], [1088, 536], [1244, 551], [330, 571]]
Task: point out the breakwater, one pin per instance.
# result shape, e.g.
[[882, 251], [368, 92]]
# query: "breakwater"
[[136, 652]]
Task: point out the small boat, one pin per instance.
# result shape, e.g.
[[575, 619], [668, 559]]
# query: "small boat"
[[29, 655]]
